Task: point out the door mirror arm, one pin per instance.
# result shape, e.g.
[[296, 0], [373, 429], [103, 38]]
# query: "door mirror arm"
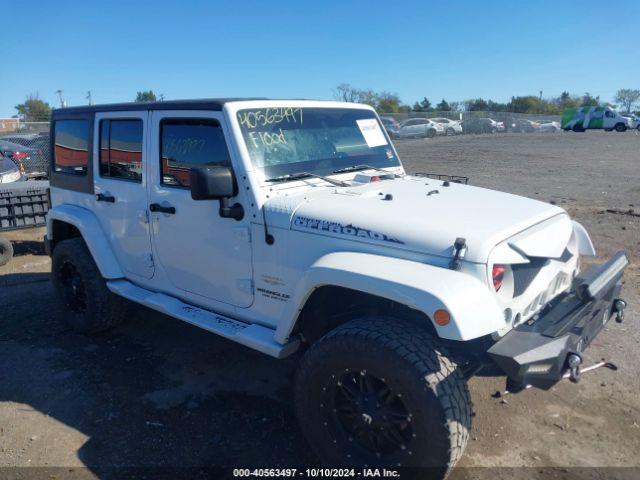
[[235, 211]]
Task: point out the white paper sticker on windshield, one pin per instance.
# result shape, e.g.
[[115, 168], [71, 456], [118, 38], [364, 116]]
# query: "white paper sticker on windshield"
[[371, 132]]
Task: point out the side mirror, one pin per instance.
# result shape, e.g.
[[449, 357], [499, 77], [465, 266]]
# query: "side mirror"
[[212, 182], [216, 182]]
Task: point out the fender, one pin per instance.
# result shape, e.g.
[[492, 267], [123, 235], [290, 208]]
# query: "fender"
[[474, 310], [87, 223], [585, 245]]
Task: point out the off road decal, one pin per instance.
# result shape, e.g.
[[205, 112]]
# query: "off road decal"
[[347, 230]]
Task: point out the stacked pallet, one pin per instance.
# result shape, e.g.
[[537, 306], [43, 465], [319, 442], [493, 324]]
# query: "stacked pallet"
[[23, 205]]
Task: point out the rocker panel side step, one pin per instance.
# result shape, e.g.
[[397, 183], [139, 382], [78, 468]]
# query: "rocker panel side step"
[[250, 335]]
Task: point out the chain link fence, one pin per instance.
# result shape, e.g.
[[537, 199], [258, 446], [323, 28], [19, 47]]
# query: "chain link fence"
[[430, 124], [27, 145]]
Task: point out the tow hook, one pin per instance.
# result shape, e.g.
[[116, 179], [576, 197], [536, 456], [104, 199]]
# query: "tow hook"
[[575, 371], [574, 362], [618, 306]]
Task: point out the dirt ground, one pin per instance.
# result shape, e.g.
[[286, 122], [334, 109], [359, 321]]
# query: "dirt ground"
[[157, 392]]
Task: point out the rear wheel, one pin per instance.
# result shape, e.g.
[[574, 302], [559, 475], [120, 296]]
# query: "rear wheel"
[[92, 308], [578, 128], [6, 251], [431, 133], [451, 131], [380, 392]]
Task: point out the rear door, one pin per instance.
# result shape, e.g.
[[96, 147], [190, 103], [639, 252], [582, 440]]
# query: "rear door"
[[120, 146]]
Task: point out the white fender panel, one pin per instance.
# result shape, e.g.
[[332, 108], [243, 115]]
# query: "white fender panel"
[[85, 221], [473, 309], [585, 245]]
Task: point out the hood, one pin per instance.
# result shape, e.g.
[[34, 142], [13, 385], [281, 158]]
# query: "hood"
[[416, 214]]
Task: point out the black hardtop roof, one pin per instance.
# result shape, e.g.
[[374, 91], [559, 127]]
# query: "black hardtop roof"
[[215, 104]]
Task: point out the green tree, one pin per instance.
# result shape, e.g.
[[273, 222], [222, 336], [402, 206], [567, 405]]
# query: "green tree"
[[34, 109], [422, 106], [388, 102], [147, 96], [443, 106], [589, 101], [627, 98], [565, 101], [476, 105]]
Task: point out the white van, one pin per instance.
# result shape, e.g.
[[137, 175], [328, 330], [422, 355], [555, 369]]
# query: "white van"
[[583, 118]]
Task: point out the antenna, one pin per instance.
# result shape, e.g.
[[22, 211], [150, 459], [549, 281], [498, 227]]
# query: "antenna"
[[88, 97]]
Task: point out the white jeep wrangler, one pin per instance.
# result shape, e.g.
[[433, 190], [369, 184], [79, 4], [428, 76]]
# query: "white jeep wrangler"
[[291, 226]]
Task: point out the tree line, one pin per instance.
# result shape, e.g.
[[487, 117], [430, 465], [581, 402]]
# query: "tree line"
[[387, 102], [33, 109]]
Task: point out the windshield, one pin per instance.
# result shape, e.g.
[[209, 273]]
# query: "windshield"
[[288, 140]]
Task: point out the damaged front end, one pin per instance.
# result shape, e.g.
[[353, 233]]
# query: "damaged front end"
[[550, 346]]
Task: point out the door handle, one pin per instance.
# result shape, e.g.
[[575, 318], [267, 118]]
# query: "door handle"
[[101, 197], [156, 207]]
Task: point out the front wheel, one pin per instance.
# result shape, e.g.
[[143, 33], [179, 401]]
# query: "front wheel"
[[380, 392], [431, 133], [6, 251], [621, 127]]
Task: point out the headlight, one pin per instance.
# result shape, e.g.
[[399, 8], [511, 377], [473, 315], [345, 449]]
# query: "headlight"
[[10, 177]]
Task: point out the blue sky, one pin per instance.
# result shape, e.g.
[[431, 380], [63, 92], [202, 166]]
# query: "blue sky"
[[303, 49]]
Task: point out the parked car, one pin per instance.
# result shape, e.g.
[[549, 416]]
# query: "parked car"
[[9, 171], [524, 125], [634, 121], [451, 127], [548, 126], [391, 125], [34, 140], [482, 125], [33, 162], [420, 127], [589, 118]]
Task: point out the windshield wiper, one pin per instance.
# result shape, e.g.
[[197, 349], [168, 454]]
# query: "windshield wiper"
[[356, 168], [300, 175]]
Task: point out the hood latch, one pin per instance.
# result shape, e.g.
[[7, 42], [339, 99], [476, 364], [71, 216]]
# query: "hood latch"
[[459, 251]]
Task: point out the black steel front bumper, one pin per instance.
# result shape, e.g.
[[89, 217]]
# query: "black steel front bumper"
[[540, 352]]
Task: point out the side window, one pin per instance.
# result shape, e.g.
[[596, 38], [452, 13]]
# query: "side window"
[[609, 114], [187, 143], [121, 149], [71, 152]]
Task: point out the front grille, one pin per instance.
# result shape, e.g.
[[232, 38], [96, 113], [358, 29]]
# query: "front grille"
[[524, 274], [559, 283]]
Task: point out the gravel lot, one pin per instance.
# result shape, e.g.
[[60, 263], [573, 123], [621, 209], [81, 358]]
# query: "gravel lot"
[[158, 392]]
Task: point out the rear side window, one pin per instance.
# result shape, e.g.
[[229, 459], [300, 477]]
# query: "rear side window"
[[187, 143], [71, 153], [121, 149]]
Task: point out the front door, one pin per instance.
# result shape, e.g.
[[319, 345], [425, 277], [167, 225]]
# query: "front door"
[[201, 253], [120, 141]]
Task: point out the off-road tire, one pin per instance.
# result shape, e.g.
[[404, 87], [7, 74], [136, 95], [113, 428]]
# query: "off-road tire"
[[6, 251], [100, 310], [411, 363]]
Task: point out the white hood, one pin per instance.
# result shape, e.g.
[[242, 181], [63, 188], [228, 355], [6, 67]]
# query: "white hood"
[[418, 214]]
